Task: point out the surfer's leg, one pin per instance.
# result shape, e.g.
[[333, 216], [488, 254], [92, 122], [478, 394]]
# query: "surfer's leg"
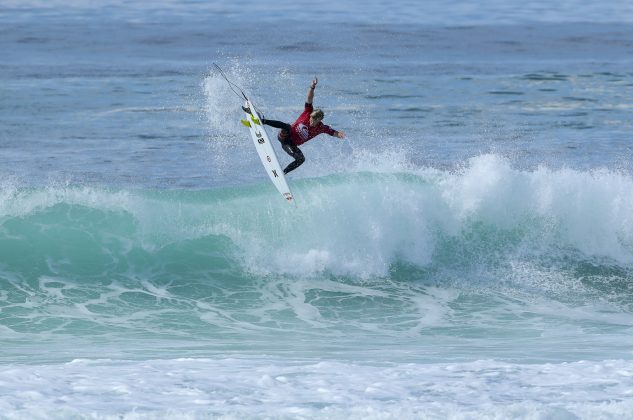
[[277, 124], [284, 132], [296, 153]]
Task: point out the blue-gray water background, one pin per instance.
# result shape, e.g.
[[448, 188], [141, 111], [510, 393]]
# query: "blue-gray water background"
[[466, 252]]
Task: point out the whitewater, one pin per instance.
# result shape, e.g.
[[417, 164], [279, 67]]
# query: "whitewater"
[[467, 251]]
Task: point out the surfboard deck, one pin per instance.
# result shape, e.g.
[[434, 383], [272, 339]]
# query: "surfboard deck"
[[266, 152]]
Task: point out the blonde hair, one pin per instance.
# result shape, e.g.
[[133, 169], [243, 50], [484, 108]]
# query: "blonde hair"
[[317, 114]]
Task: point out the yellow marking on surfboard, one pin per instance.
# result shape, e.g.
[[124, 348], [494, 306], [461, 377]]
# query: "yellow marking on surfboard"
[[246, 123], [255, 120]]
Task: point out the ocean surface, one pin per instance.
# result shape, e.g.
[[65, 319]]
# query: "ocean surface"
[[466, 252]]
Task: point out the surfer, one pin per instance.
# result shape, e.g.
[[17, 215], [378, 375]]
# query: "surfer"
[[308, 125]]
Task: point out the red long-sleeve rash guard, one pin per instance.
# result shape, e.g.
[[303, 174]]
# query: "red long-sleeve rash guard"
[[301, 130]]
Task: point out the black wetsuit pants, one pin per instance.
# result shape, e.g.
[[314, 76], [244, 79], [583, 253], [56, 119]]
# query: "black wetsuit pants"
[[287, 144]]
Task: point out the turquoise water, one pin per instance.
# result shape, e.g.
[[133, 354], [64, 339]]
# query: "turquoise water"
[[466, 252]]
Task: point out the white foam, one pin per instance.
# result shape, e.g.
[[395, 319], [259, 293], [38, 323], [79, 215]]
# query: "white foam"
[[590, 211], [279, 388]]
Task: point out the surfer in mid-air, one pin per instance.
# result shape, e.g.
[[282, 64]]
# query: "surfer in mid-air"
[[308, 125]]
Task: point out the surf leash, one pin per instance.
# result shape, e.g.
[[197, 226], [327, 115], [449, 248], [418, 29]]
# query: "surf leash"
[[232, 85]]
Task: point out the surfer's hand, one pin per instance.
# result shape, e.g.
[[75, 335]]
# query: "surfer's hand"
[[314, 83], [340, 134]]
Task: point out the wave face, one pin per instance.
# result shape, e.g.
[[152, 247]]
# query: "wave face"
[[358, 224], [393, 253]]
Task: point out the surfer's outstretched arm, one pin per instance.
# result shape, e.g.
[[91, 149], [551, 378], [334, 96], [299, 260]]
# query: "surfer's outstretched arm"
[[310, 96]]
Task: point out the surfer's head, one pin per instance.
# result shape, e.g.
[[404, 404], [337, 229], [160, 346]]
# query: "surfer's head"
[[316, 116]]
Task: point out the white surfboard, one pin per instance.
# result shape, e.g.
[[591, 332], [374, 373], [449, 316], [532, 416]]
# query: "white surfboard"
[[266, 152]]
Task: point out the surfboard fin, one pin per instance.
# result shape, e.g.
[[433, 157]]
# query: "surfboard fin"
[[246, 123], [256, 121]]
